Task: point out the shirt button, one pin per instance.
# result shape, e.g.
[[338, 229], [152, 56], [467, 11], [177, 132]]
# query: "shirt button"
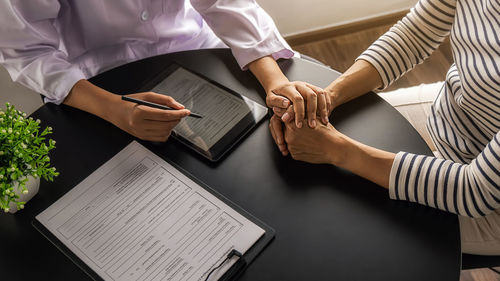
[[145, 15]]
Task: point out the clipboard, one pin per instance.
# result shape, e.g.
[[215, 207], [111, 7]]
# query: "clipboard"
[[232, 274]]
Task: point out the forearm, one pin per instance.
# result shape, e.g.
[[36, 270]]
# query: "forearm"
[[370, 163], [92, 99], [267, 71], [140, 121], [358, 80]]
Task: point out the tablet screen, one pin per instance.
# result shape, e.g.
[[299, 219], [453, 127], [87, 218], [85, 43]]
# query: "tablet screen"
[[221, 110]]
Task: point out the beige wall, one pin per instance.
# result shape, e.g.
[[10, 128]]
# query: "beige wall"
[[298, 16]]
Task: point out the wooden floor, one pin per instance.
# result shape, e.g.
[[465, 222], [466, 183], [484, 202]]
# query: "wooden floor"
[[479, 275], [339, 52]]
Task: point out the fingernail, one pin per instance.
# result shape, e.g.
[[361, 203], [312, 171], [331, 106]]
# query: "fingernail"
[[325, 120], [179, 105], [286, 102], [299, 125], [313, 123], [285, 117]]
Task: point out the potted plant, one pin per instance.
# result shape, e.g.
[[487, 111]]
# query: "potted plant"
[[23, 158]]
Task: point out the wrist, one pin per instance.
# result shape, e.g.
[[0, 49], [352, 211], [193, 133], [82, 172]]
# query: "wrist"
[[267, 71], [115, 108], [368, 162], [92, 99], [275, 83], [338, 149], [334, 91], [334, 96]]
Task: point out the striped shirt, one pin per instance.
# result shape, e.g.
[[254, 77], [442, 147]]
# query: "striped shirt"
[[465, 120]]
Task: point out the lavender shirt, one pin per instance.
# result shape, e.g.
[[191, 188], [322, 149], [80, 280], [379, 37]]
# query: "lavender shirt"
[[48, 45]]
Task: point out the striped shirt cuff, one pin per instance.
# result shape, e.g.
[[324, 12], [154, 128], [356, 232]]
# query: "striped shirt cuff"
[[406, 176], [375, 61], [395, 174]]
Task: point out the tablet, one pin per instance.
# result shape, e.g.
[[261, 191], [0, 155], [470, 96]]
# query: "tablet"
[[227, 115]]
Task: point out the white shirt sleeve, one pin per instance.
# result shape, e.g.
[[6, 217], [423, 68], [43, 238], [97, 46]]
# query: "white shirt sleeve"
[[30, 48], [245, 27]]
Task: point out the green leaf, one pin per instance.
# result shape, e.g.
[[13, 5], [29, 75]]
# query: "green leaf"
[[24, 151]]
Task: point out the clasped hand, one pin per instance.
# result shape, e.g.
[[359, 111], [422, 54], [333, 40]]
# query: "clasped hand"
[[305, 143], [299, 101]]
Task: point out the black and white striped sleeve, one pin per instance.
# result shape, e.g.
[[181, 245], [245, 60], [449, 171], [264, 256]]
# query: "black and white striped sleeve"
[[411, 40], [471, 190]]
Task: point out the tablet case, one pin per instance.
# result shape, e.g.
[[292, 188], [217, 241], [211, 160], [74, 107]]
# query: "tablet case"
[[232, 274], [151, 83]]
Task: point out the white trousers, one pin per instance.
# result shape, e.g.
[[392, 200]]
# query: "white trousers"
[[480, 236]]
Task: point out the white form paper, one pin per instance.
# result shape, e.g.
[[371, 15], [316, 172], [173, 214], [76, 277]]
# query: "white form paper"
[[139, 218], [220, 109]]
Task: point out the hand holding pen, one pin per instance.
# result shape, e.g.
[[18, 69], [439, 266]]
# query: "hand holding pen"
[[151, 122]]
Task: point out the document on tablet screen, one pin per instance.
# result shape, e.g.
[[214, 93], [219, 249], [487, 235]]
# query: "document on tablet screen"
[[139, 218], [220, 109]]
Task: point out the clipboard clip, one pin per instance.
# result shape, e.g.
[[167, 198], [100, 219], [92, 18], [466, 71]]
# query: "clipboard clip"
[[231, 254]]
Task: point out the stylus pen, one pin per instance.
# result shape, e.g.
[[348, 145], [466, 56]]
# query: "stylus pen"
[[155, 105]]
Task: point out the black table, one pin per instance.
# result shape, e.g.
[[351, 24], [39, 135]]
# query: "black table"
[[330, 224]]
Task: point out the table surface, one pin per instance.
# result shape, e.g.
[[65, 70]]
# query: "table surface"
[[330, 224]]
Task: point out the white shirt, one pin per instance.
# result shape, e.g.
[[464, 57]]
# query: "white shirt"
[[48, 45]]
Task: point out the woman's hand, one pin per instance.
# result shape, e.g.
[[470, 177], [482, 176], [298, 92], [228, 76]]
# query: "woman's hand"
[[309, 102], [325, 145], [138, 120], [149, 123], [319, 145], [282, 115], [318, 104], [302, 101], [303, 141], [276, 128]]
